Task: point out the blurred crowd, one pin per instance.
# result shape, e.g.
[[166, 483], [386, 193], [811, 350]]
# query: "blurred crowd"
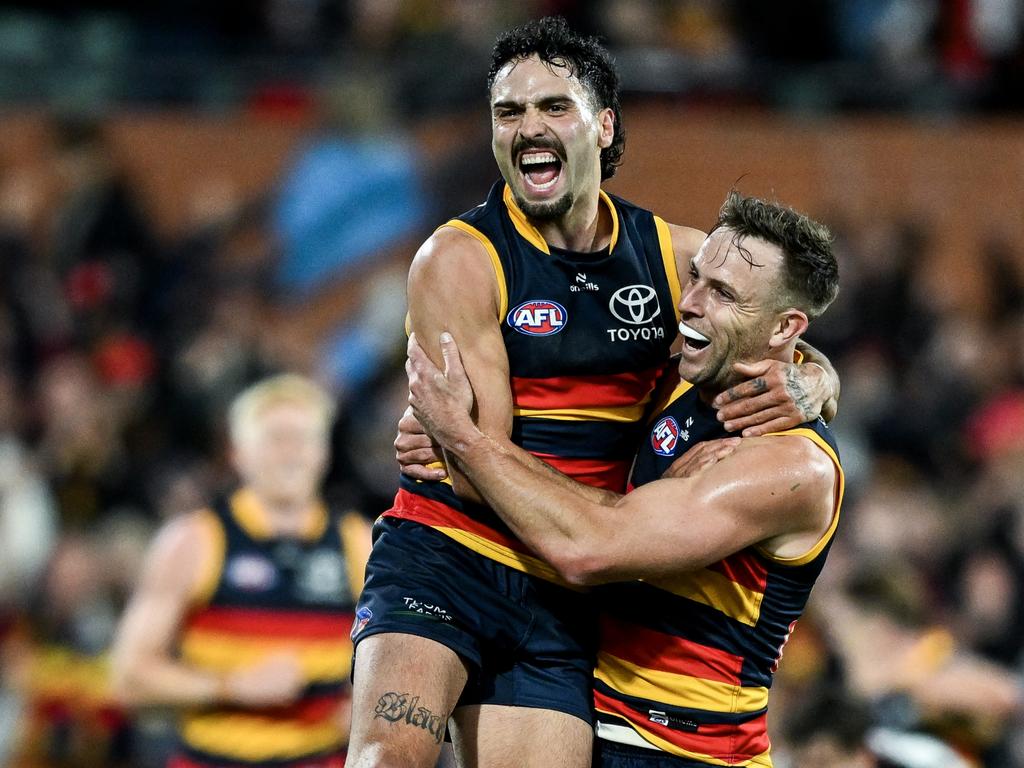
[[929, 55], [121, 345]]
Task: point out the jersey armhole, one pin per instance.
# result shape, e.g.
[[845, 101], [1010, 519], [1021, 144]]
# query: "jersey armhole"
[[840, 487], [213, 564], [351, 528], [668, 257]]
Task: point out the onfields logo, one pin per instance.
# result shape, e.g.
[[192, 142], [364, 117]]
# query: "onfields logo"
[[665, 436], [538, 317]]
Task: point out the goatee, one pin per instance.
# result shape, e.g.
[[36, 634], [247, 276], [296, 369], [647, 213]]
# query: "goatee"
[[548, 210]]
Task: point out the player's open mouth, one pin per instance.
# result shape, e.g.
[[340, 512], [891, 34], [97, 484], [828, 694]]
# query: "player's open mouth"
[[693, 340], [541, 169]]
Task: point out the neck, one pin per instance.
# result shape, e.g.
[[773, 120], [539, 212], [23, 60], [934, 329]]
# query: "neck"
[[708, 392], [586, 227], [285, 517]]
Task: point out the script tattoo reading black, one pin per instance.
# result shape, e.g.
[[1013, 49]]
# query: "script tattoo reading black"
[[404, 708]]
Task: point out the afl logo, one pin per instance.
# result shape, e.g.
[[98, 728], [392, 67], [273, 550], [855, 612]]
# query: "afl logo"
[[665, 436], [635, 304], [538, 317]]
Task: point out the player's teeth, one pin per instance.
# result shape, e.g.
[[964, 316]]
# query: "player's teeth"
[[545, 157], [689, 333]]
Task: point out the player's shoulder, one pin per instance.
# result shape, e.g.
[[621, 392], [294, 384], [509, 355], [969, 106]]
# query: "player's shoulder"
[[453, 259], [686, 241], [793, 453], [188, 536]]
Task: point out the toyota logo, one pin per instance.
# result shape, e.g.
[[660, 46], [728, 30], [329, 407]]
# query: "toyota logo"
[[635, 304]]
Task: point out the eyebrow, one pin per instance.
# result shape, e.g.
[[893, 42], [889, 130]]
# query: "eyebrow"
[[546, 101], [714, 282]]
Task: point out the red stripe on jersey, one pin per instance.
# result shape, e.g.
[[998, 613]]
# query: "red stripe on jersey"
[[597, 473], [744, 568], [656, 650], [436, 514], [602, 391], [731, 743], [298, 625]]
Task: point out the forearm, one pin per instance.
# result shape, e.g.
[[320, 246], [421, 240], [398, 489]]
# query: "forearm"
[[812, 355], [158, 681], [555, 516]]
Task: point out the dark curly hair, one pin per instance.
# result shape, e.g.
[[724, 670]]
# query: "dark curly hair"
[[585, 58]]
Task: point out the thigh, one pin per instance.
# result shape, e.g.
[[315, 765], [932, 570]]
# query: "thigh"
[[404, 689], [492, 736]]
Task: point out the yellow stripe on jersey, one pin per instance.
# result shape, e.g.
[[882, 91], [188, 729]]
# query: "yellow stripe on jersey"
[[762, 760], [678, 690], [505, 555], [668, 257], [209, 578], [627, 414], [320, 660], [251, 737], [534, 238], [814, 551], [354, 543], [499, 270], [715, 590]]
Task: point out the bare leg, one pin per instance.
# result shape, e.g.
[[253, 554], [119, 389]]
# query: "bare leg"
[[405, 687], [492, 736]]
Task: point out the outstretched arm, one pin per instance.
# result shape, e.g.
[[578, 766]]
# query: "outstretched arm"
[[774, 487]]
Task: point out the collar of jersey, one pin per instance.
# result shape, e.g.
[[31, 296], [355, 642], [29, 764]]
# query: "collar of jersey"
[[530, 233], [250, 514]]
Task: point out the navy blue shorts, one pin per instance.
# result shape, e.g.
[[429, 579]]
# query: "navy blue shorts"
[[527, 642], [610, 754]]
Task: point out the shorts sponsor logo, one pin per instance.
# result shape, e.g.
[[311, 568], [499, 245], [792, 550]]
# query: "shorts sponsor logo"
[[251, 573], [421, 608], [665, 436], [538, 317]]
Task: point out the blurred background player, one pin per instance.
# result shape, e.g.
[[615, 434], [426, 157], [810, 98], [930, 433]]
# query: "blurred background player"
[[243, 610]]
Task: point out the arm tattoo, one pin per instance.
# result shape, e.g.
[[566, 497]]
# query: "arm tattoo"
[[800, 398], [404, 708]]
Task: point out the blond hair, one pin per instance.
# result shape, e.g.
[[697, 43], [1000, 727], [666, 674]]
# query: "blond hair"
[[248, 406]]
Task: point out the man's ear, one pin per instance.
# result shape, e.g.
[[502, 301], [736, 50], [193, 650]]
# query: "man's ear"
[[789, 325], [606, 130]]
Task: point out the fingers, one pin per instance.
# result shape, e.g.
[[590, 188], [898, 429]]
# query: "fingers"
[[453, 369], [750, 388], [780, 424], [749, 406], [784, 414], [423, 472], [409, 425]]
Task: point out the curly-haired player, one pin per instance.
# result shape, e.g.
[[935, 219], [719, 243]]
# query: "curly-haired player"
[[562, 298]]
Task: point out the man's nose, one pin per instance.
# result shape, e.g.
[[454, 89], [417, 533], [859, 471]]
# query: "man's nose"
[[533, 123]]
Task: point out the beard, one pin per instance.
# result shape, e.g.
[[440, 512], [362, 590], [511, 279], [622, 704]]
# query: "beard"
[[548, 210]]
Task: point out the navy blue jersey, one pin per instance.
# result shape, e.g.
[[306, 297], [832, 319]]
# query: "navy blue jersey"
[[263, 595], [686, 661], [587, 337]]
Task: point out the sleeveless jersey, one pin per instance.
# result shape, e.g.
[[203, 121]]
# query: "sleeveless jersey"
[[685, 662], [263, 595], [587, 337]]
